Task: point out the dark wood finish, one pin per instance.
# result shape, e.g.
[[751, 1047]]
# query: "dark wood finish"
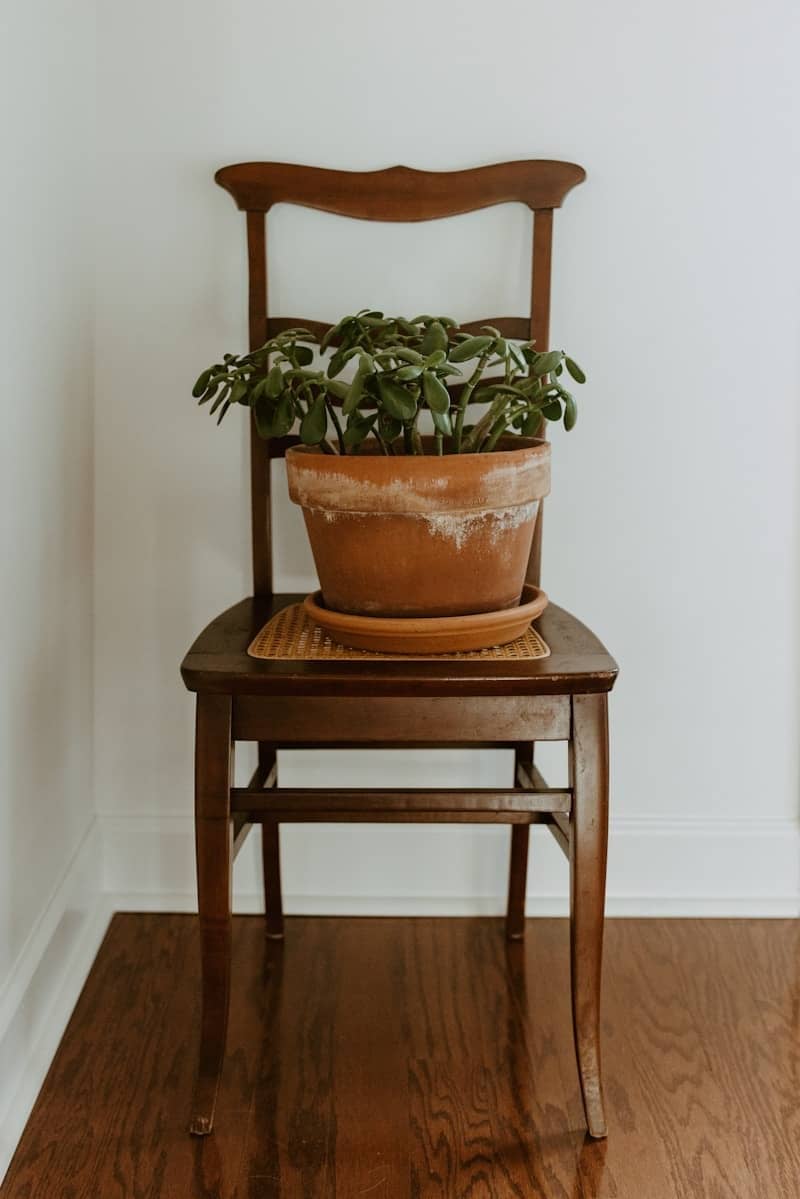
[[385, 720], [468, 702], [559, 827], [399, 193], [530, 777], [241, 831], [588, 757], [260, 507], [517, 881], [520, 845], [486, 801], [539, 328], [257, 296], [271, 863], [270, 849], [539, 331], [213, 841], [426, 1059], [264, 777], [364, 815], [508, 326], [341, 745]]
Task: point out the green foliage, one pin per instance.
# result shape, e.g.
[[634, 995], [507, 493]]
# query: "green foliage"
[[382, 373]]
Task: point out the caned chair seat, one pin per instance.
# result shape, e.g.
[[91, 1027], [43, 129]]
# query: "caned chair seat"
[[218, 661]]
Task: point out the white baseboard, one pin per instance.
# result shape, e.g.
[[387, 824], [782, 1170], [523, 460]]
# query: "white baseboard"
[[656, 868], [37, 1000]]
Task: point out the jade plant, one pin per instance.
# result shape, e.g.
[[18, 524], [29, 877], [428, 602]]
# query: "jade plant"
[[382, 373]]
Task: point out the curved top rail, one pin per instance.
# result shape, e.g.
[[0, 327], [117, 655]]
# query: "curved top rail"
[[399, 193]]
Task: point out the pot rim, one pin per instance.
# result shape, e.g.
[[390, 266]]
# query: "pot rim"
[[502, 480], [510, 446]]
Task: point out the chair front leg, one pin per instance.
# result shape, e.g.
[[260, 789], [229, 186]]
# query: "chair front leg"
[[213, 844], [587, 861]]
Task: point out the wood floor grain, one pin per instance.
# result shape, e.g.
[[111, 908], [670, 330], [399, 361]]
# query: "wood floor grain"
[[428, 1059]]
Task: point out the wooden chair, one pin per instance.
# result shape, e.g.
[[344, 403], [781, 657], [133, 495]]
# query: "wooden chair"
[[311, 704]]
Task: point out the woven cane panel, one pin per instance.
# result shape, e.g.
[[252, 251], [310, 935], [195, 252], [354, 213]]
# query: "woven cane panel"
[[291, 635]]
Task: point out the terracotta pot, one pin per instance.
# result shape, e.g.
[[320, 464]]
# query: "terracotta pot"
[[421, 535]]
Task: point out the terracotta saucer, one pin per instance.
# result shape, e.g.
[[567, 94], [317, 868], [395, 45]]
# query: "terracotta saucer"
[[428, 635]]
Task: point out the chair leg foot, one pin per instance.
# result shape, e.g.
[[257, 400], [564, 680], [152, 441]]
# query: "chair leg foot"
[[517, 879], [216, 957], [588, 849]]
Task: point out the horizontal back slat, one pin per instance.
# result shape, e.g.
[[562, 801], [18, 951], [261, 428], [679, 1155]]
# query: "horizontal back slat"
[[399, 193], [507, 326]]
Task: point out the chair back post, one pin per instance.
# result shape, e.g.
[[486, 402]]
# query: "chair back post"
[[260, 522], [541, 269], [395, 194]]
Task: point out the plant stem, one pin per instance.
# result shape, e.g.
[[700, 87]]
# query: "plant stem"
[[483, 428], [463, 399], [439, 439], [500, 426], [339, 434], [416, 440]]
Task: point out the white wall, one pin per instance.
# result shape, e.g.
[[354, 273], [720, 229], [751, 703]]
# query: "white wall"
[[673, 527], [48, 884]]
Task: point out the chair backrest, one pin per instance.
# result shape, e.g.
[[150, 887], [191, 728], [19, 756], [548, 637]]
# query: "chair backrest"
[[395, 194]]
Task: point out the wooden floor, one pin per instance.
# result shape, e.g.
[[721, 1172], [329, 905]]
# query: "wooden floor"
[[401, 1059]]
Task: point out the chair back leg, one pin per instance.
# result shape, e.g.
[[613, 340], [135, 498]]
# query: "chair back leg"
[[588, 850], [214, 850], [518, 864], [517, 881], [523, 755], [271, 861], [271, 854]]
